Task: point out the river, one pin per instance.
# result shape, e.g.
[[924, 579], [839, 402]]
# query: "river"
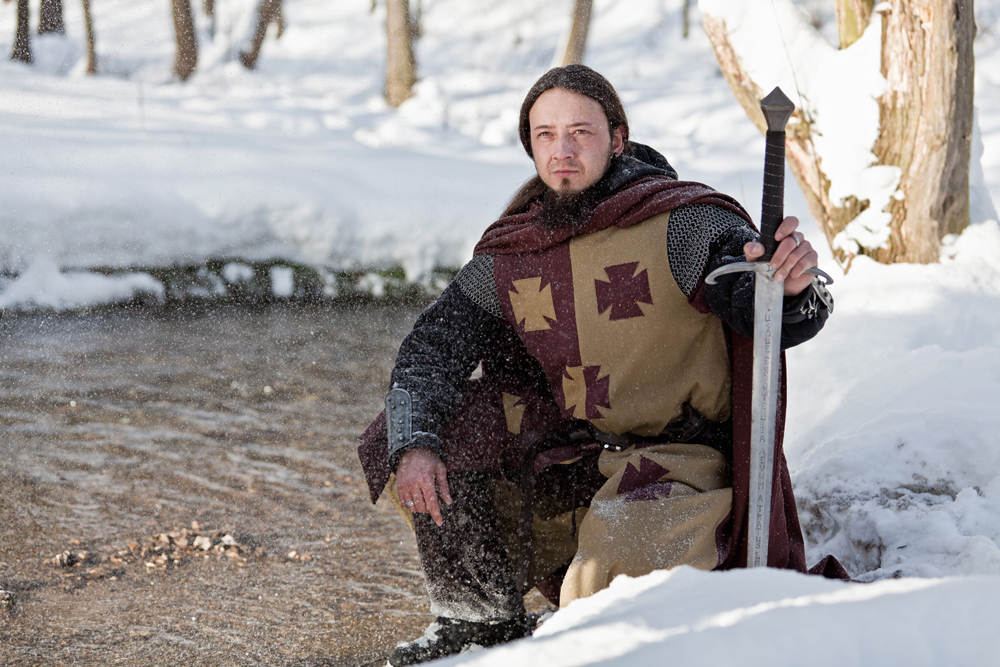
[[196, 471]]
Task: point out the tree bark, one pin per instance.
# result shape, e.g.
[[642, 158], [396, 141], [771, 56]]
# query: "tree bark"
[[187, 42], [925, 130], [853, 17], [88, 25], [269, 12], [22, 35], [210, 13], [50, 18], [400, 70], [576, 41], [926, 122]]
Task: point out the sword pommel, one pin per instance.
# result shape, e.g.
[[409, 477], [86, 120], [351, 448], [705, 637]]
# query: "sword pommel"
[[777, 110]]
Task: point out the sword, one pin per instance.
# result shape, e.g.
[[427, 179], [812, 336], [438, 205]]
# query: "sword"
[[768, 306]]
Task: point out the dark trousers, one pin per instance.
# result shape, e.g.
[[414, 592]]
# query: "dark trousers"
[[466, 566]]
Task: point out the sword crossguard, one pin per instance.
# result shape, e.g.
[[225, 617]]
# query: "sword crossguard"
[[762, 268]]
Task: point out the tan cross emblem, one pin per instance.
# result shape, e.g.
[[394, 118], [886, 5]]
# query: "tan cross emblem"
[[532, 305]]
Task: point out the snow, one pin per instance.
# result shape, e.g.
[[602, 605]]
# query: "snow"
[[893, 437], [894, 453], [764, 617], [43, 285], [282, 281]]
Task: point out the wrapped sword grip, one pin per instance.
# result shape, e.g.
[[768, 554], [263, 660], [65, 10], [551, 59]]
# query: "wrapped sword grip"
[[773, 208]]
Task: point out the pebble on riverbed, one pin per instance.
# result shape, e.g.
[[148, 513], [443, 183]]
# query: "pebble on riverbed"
[[6, 603], [161, 551]]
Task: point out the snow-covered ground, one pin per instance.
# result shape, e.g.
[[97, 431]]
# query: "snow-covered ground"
[[765, 617], [893, 434]]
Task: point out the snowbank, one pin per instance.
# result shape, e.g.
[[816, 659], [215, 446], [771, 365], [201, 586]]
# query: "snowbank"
[[764, 618], [43, 285], [893, 431]]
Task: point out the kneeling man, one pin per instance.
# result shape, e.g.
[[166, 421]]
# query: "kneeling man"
[[609, 432]]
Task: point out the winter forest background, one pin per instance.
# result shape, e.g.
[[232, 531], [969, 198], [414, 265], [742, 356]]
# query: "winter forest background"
[[127, 177]]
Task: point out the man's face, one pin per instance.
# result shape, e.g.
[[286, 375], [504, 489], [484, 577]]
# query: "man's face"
[[570, 140]]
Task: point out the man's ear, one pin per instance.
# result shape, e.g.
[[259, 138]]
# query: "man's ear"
[[618, 140]]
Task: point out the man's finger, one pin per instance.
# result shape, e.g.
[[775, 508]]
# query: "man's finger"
[[431, 505], [789, 253], [753, 250], [808, 260], [441, 475], [786, 228]]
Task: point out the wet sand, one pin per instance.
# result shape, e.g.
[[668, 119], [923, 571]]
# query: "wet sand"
[[120, 428]]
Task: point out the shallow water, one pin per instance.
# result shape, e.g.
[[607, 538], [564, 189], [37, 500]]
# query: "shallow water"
[[119, 427]]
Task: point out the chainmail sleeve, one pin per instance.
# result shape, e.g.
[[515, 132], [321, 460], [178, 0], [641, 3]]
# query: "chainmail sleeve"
[[436, 358], [703, 237], [476, 282], [692, 231]]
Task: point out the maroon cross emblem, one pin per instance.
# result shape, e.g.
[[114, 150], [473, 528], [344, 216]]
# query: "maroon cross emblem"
[[651, 492], [648, 473], [623, 291], [584, 391]]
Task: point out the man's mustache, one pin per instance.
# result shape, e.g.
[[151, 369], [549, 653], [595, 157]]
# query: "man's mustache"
[[563, 164]]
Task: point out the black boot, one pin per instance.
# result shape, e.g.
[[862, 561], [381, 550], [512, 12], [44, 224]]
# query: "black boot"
[[448, 636]]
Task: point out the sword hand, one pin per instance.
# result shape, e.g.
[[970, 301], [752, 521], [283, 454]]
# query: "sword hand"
[[791, 260]]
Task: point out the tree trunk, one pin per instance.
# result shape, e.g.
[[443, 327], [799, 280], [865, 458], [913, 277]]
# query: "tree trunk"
[[925, 131], [571, 52], [926, 122], [853, 17], [22, 36], [187, 42], [88, 25], [50, 18], [400, 70], [268, 12], [210, 13]]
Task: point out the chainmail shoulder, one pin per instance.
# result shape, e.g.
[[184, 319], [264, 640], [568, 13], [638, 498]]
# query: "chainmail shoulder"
[[691, 232], [476, 282]]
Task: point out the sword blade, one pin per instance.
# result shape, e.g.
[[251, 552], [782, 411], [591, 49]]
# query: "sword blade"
[[768, 303]]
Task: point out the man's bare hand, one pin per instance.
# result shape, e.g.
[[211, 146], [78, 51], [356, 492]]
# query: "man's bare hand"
[[791, 259], [416, 475]]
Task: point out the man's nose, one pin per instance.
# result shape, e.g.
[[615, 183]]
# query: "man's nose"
[[565, 148]]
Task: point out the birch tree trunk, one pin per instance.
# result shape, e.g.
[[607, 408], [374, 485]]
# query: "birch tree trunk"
[[400, 69], [50, 18], [925, 117], [22, 35], [575, 43], [88, 25], [187, 42]]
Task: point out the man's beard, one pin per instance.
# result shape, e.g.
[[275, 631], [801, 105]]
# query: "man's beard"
[[567, 210], [570, 209]]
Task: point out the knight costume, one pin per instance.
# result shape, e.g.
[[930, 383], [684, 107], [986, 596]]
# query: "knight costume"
[[609, 431]]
